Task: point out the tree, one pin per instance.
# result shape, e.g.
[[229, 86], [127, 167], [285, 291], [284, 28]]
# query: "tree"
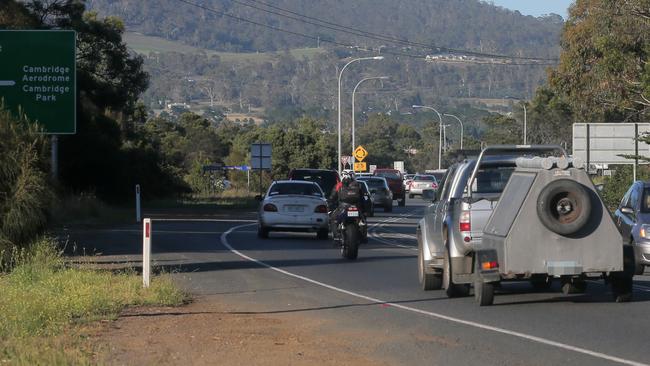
[[502, 130], [604, 72]]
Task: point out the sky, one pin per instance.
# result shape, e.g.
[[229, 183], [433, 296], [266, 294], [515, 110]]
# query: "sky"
[[536, 7]]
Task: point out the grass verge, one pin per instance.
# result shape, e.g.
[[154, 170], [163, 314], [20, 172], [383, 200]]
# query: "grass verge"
[[45, 304]]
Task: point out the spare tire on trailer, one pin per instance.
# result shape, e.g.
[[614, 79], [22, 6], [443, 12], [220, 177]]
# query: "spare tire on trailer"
[[564, 206]]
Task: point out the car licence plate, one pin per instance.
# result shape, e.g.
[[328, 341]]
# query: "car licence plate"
[[295, 208], [353, 213]]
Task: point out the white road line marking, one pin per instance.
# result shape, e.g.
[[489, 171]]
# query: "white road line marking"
[[203, 220], [163, 231], [532, 338]]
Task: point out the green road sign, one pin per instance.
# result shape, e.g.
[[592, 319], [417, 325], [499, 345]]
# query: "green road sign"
[[38, 75]]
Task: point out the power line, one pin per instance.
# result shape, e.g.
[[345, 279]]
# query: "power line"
[[362, 33], [206, 8]]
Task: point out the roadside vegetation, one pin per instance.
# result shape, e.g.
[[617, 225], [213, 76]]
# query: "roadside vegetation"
[[46, 302]]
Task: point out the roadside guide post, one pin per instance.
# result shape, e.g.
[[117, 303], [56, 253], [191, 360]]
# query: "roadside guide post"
[[138, 216], [146, 253], [38, 79]]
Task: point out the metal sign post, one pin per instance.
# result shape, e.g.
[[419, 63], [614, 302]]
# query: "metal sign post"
[[261, 159]]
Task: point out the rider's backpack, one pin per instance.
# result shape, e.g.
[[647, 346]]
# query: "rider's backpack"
[[350, 194]]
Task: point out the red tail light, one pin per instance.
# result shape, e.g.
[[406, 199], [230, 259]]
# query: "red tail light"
[[489, 265], [353, 208], [269, 207], [434, 185], [465, 223], [321, 209]]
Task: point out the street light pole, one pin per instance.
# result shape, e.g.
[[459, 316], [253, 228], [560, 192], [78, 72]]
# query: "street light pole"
[[439, 133], [339, 80], [461, 128], [353, 92]]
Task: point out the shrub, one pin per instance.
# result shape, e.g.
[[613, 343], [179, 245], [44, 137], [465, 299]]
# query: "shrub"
[[25, 192]]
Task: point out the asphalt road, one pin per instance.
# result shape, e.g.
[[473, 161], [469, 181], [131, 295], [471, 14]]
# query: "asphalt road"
[[379, 294]]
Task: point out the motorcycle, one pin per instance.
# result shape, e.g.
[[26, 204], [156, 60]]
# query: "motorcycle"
[[349, 231]]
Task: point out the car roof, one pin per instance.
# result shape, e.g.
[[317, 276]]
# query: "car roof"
[[295, 181]]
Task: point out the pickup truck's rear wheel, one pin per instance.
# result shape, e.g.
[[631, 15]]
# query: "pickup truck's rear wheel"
[[428, 281], [564, 206], [451, 289]]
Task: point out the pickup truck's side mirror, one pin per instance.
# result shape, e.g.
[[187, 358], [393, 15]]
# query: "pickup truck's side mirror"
[[429, 195]]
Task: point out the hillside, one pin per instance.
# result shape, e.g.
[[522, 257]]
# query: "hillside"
[[467, 24], [198, 57]]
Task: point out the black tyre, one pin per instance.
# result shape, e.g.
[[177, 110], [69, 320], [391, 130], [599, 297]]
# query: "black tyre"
[[564, 206], [388, 208], [322, 234], [402, 202], [262, 232], [621, 282], [350, 248], [451, 289], [483, 292], [428, 281]]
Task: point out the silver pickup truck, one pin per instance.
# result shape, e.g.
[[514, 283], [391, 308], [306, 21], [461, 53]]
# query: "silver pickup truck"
[[453, 224]]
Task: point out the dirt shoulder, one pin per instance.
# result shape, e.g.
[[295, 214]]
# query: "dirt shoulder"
[[210, 332]]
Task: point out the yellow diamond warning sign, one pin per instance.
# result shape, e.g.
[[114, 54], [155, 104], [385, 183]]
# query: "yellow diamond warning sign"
[[360, 153]]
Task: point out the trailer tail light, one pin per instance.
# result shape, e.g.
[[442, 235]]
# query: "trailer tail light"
[[465, 224], [321, 209], [269, 207], [486, 266]]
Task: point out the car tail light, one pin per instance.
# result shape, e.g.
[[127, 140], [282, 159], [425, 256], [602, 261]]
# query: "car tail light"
[[465, 224], [321, 209], [269, 207], [434, 185]]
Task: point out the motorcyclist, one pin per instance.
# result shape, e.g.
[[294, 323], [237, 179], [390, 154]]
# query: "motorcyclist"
[[346, 193]]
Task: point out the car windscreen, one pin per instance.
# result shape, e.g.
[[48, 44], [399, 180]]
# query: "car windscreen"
[[326, 180], [375, 183], [426, 178], [492, 179], [388, 175], [303, 189], [645, 203]]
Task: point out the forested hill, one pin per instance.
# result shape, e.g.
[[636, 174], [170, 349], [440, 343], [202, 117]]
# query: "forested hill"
[[467, 24]]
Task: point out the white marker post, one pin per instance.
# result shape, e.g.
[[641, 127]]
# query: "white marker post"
[[138, 216], [146, 252]]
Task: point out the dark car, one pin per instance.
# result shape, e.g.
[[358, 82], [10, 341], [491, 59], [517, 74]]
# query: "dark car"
[[395, 183], [381, 195], [368, 204], [633, 221], [326, 179]]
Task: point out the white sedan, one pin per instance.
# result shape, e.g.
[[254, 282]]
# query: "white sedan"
[[293, 205]]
